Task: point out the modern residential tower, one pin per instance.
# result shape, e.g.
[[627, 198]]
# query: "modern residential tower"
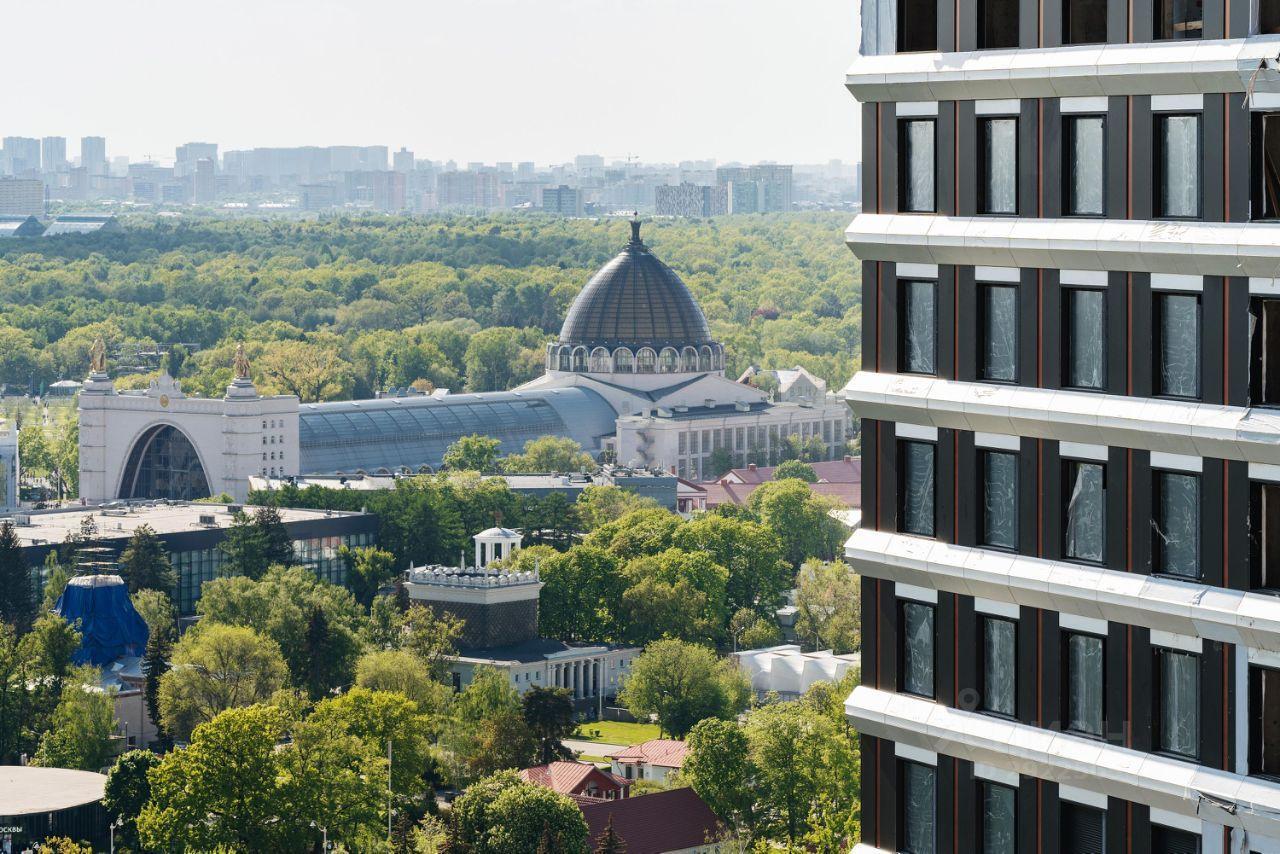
[[1070, 546]]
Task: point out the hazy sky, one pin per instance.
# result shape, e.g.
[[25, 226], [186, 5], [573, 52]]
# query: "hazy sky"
[[463, 79]]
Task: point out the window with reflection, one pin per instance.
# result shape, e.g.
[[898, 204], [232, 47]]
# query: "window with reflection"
[[997, 24], [1084, 148], [1264, 722], [917, 653], [1177, 697], [1086, 522], [918, 809], [1177, 346], [1084, 21], [1179, 19], [998, 332], [999, 507], [1085, 338], [1176, 528], [918, 327], [916, 471], [998, 188], [1178, 166], [999, 666], [1264, 536], [1264, 352], [916, 166], [999, 818], [1083, 672]]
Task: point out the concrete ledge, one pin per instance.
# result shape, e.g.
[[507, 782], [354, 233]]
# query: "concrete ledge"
[[1182, 788], [1196, 248], [1167, 426], [1155, 68], [1161, 604]]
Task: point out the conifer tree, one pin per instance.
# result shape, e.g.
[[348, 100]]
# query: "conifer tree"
[[277, 543], [17, 602], [145, 563], [610, 841], [155, 664]]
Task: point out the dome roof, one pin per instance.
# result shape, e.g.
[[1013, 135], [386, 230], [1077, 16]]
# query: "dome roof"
[[634, 301]]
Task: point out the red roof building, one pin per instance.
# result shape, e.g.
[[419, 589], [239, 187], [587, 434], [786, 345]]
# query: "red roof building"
[[676, 820], [839, 479], [578, 780], [650, 760]]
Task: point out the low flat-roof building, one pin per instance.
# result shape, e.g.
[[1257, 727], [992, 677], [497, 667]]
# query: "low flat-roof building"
[[191, 532], [79, 224], [36, 803], [787, 671]]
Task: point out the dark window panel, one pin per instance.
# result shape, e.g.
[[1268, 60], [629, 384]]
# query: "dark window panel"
[[918, 649], [999, 666], [919, 809], [1000, 499], [917, 25], [998, 190], [1086, 521], [1083, 829], [1178, 702], [919, 320], [1086, 165], [1264, 357], [1086, 339], [998, 320], [1084, 684], [1264, 722], [1178, 166], [1264, 536], [918, 171], [999, 819], [1178, 345], [997, 24], [1179, 19], [1176, 525], [1084, 21], [916, 503]]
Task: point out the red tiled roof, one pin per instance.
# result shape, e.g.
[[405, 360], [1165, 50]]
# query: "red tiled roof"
[[830, 471], [569, 778], [654, 824], [667, 752], [738, 493]]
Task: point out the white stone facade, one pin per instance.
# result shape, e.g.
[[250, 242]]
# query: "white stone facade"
[[234, 437]]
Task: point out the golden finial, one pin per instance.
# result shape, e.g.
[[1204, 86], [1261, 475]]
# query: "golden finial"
[[98, 357], [241, 363]]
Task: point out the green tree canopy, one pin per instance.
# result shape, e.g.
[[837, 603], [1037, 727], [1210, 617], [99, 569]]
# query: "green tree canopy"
[[128, 790], [473, 453], [600, 504], [79, 733], [17, 598], [549, 714], [796, 469], [801, 520], [829, 606], [145, 563], [683, 683], [502, 814], [549, 454], [218, 667]]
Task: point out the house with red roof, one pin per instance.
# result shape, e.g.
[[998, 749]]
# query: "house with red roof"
[[654, 759], [675, 821], [579, 780], [839, 479]]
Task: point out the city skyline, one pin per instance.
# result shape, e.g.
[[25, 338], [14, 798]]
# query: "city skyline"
[[720, 91]]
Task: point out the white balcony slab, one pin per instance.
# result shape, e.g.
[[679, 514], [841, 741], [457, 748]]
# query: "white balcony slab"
[[1160, 782], [1151, 246], [1077, 71], [1184, 428], [1176, 608]]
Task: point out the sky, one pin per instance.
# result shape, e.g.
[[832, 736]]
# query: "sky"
[[469, 80]]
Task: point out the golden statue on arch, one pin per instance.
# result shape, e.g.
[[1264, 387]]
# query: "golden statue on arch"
[[98, 357], [241, 363]]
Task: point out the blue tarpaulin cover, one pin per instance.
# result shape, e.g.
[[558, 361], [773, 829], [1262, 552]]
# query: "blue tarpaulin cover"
[[109, 624]]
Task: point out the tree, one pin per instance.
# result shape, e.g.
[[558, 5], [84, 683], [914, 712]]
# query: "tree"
[[473, 453], [549, 454], [65, 845], [639, 533], [801, 520], [156, 610], [610, 842], [691, 584], [431, 637], [718, 463], [217, 667], [145, 563], [404, 673], [226, 790], [313, 372], [796, 469], [281, 606], [491, 358], [368, 569], [502, 814], [752, 631], [376, 717], [277, 544], [80, 731], [486, 731], [127, 791], [829, 606], [155, 664], [244, 548], [597, 505], [581, 589], [719, 769], [549, 714], [683, 683], [56, 577], [17, 600]]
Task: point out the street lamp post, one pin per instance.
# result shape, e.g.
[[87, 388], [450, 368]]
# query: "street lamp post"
[[324, 836], [111, 828]]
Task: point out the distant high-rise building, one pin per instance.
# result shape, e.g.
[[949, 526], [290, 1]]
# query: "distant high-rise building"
[[21, 197], [187, 156], [389, 191], [53, 154], [771, 193], [21, 155], [93, 154], [525, 170], [205, 185], [562, 200], [588, 163], [470, 189], [317, 197], [691, 200], [402, 160]]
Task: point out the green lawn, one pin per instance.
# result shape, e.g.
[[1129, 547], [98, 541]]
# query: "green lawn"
[[616, 732]]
